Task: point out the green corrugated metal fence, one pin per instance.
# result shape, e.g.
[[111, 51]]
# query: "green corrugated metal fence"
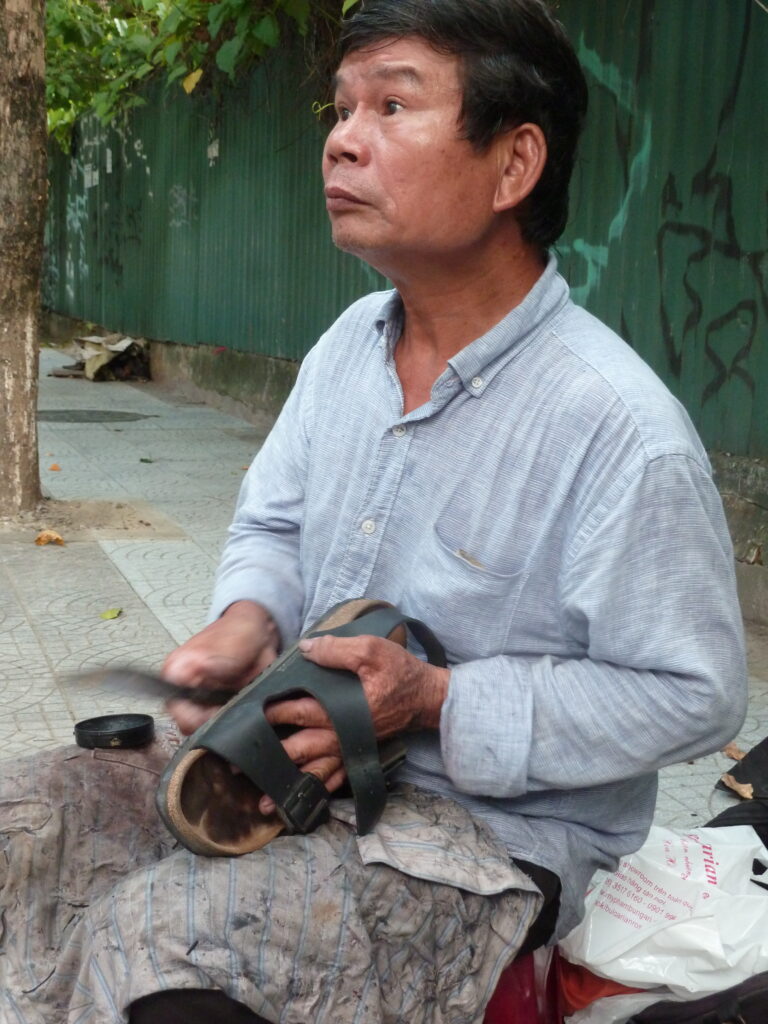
[[203, 222]]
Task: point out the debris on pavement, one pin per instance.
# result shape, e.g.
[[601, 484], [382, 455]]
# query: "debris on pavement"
[[107, 357], [734, 751], [749, 777], [111, 613], [49, 537], [743, 789]]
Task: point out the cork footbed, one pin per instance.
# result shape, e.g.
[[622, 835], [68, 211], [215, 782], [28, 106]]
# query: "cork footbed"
[[211, 807]]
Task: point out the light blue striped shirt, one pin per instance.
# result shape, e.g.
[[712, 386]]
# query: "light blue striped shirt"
[[551, 515]]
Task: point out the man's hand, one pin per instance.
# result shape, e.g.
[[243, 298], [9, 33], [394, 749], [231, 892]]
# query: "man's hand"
[[403, 693], [230, 652]]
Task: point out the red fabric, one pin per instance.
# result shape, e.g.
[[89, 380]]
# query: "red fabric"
[[516, 1000], [579, 986]]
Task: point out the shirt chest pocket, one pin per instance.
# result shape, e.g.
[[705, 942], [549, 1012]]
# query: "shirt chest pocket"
[[468, 605]]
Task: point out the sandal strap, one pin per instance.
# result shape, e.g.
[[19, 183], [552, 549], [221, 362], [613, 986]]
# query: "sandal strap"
[[250, 742]]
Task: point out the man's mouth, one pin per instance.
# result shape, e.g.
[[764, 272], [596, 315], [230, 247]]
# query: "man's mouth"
[[337, 199]]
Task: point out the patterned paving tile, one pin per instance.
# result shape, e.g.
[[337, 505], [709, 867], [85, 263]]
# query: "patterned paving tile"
[[211, 541], [205, 515], [686, 791], [159, 560], [51, 599]]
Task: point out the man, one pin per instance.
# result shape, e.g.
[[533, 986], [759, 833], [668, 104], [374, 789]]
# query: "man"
[[478, 451]]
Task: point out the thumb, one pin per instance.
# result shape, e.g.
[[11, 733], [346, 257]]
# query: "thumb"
[[328, 651]]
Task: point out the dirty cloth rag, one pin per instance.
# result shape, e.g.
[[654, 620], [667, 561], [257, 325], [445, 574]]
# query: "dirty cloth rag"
[[100, 906]]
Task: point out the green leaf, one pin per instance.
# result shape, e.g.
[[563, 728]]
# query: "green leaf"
[[176, 72], [347, 5], [99, 53], [299, 11], [243, 21], [268, 30], [171, 21], [141, 42], [227, 56], [131, 101], [217, 15], [172, 51], [111, 613]]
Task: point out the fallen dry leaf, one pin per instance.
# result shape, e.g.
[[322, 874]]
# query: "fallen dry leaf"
[[55, 467], [735, 753], [744, 789], [111, 613], [49, 537], [755, 556]]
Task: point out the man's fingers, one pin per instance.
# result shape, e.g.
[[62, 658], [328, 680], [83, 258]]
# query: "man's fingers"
[[307, 745], [302, 711], [229, 652], [316, 751], [188, 715], [329, 770], [326, 769], [346, 652], [265, 659], [336, 780], [185, 668]]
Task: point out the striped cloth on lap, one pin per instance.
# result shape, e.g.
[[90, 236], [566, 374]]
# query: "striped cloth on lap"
[[101, 907]]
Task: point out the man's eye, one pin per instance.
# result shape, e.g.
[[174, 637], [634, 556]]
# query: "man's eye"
[[343, 113], [392, 106]]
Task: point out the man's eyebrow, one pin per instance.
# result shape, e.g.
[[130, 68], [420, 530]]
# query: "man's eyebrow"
[[386, 72]]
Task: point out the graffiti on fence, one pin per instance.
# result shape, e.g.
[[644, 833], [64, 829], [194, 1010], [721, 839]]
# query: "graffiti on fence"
[[708, 249], [712, 297]]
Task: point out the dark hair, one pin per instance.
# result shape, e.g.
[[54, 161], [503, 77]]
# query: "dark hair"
[[517, 65]]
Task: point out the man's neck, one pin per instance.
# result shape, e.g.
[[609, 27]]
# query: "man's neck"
[[447, 308]]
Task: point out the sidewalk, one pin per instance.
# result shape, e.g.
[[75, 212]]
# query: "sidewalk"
[[154, 480], [159, 479]]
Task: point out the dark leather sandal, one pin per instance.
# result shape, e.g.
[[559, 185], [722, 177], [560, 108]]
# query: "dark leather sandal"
[[213, 809]]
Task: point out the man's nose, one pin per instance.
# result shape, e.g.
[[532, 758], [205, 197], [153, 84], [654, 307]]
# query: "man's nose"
[[347, 142]]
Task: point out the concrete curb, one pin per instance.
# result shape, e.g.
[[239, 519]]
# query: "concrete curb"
[[752, 582]]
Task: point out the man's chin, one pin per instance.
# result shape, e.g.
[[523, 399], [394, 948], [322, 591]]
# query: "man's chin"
[[353, 246], [346, 238], [358, 243]]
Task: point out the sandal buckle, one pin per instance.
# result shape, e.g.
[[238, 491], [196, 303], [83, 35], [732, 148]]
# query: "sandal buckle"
[[306, 805]]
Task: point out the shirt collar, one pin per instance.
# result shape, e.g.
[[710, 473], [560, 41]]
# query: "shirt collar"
[[479, 362]]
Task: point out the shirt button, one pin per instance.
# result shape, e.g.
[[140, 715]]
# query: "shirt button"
[[368, 526], [477, 382], [399, 430]]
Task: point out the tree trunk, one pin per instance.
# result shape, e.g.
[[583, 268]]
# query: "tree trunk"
[[23, 173]]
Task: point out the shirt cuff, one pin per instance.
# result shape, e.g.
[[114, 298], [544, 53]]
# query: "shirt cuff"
[[486, 728]]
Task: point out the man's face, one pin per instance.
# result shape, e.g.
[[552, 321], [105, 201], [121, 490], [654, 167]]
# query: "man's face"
[[400, 183]]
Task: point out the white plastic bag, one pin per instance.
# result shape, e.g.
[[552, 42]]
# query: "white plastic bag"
[[618, 1009], [681, 912]]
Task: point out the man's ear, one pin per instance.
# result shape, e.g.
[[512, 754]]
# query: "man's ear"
[[522, 153]]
